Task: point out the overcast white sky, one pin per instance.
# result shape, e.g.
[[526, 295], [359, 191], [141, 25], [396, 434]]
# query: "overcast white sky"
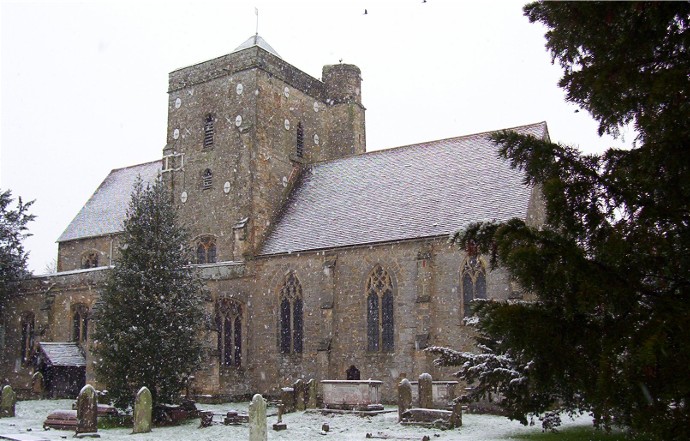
[[84, 83]]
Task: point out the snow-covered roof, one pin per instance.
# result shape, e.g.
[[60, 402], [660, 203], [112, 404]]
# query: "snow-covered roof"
[[106, 210], [423, 190], [62, 354], [256, 40]]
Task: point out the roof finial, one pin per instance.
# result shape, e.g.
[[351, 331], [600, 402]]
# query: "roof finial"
[[256, 36]]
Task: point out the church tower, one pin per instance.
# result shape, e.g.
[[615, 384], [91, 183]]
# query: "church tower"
[[240, 129]]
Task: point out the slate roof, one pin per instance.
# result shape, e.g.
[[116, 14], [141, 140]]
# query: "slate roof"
[[256, 40], [105, 211], [62, 354], [422, 190]]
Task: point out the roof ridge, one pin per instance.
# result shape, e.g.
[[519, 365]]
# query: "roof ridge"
[[135, 165], [451, 138]]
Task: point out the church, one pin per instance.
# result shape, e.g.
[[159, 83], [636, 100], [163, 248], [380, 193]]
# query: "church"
[[317, 254]]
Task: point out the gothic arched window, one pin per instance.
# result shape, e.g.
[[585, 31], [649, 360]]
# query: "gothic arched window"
[[300, 140], [208, 131], [89, 260], [229, 322], [27, 325], [206, 250], [473, 279], [291, 315], [380, 323], [80, 323]]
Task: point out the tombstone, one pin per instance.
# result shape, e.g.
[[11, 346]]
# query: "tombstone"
[[456, 417], [299, 388], [287, 396], [143, 407], [257, 419], [206, 418], [280, 425], [38, 385], [311, 394], [8, 402], [352, 373], [426, 393], [87, 410], [404, 397]]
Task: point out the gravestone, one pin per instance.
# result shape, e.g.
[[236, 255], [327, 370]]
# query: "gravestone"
[[143, 408], [206, 417], [87, 410], [311, 394], [8, 402], [456, 417], [426, 393], [38, 385], [257, 419], [299, 388], [352, 373], [280, 425], [404, 397], [287, 396]]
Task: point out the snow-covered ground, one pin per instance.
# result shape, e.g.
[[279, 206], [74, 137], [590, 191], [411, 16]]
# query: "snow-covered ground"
[[301, 426]]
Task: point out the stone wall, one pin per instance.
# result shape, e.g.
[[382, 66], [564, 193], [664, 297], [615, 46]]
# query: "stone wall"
[[70, 253], [428, 310]]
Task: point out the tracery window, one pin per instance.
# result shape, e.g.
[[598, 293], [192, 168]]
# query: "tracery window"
[[206, 250], [206, 179], [300, 140], [80, 323], [229, 322], [473, 278], [291, 315], [89, 260], [380, 322], [27, 326], [208, 131]]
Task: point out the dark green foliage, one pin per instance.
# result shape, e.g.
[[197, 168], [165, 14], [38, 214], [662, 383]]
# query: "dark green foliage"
[[150, 316], [13, 229], [610, 329], [578, 434]]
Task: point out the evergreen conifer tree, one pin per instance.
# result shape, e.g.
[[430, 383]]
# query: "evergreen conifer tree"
[[149, 319], [13, 230], [610, 269]]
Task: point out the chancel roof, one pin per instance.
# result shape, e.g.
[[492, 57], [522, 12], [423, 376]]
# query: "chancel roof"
[[62, 354], [106, 210], [422, 190]]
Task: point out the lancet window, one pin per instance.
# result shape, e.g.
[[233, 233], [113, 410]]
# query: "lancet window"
[[473, 279], [229, 323], [291, 315]]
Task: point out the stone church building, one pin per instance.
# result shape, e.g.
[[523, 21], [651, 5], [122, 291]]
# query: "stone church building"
[[317, 255]]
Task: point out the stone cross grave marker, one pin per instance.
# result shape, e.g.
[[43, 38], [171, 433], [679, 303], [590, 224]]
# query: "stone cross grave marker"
[[257, 419], [143, 408], [426, 397], [8, 402], [404, 397], [87, 410]]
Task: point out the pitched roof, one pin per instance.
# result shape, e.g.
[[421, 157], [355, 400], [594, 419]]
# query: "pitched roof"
[[106, 209], [422, 190], [62, 354], [256, 40]]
